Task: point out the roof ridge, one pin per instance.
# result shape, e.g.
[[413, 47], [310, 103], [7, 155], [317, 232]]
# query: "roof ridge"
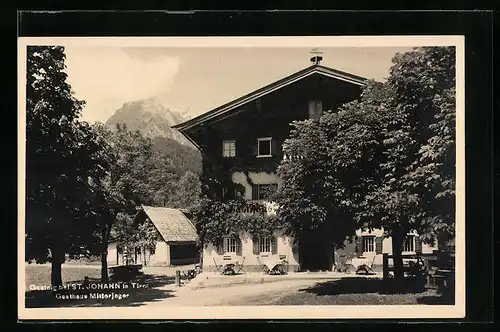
[[172, 224], [220, 110]]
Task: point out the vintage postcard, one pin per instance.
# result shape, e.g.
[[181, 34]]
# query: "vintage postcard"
[[241, 177]]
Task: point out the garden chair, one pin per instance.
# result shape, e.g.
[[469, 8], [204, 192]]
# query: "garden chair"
[[238, 267], [344, 264], [366, 268], [285, 263], [263, 266], [219, 267]]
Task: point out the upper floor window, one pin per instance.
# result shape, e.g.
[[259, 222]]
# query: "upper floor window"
[[315, 109], [229, 193], [264, 147], [368, 243], [409, 244], [229, 149], [263, 191]]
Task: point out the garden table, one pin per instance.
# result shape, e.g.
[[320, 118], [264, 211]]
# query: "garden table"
[[229, 266], [273, 263], [358, 261]]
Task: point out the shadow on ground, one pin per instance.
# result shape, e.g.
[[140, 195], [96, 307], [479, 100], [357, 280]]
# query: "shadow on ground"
[[141, 290], [378, 286]]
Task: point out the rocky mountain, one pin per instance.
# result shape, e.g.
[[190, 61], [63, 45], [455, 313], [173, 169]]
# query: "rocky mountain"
[[153, 120], [150, 118]]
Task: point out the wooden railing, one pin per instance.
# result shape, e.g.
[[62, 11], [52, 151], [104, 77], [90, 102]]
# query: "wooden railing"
[[422, 259], [435, 268]]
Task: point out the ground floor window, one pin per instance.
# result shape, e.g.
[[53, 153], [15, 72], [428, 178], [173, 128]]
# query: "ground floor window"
[[409, 244], [265, 244], [230, 245], [368, 243]]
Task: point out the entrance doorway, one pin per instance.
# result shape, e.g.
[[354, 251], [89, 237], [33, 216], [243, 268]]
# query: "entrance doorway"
[[315, 251]]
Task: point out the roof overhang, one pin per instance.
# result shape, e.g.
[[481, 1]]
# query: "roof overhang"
[[225, 110]]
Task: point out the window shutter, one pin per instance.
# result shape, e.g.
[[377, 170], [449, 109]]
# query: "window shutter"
[[359, 245], [274, 147], [239, 246], [418, 245], [255, 192], [378, 244], [255, 241], [255, 148], [274, 245], [220, 248], [312, 108]]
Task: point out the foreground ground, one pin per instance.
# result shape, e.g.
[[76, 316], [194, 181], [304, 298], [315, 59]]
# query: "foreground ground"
[[157, 288], [39, 274]]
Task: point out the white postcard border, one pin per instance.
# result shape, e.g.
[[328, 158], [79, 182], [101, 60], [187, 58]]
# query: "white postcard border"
[[251, 312]]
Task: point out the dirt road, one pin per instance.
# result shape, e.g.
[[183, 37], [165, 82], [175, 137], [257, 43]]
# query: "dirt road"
[[234, 295]]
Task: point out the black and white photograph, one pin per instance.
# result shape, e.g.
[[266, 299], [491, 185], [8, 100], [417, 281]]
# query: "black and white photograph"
[[243, 177]]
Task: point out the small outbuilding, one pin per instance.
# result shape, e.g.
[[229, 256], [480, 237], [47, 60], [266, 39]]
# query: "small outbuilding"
[[176, 244]]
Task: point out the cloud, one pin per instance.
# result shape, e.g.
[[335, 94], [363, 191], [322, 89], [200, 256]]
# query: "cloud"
[[107, 77]]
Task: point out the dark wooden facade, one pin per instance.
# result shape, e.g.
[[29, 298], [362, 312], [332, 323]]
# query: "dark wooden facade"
[[267, 116]]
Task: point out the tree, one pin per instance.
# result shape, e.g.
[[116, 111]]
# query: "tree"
[[139, 175], [384, 161], [162, 180], [328, 168], [416, 179], [188, 190], [125, 186], [63, 155]]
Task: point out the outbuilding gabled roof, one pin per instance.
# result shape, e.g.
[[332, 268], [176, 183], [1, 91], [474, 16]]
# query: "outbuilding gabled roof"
[[172, 224], [226, 108]]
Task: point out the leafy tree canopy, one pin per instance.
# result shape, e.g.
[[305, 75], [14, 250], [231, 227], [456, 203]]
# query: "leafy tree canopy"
[[63, 156], [383, 161]]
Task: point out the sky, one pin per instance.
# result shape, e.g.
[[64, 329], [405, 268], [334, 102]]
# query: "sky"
[[195, 80]]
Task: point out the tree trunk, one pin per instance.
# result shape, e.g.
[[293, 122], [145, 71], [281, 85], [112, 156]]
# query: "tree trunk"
[[56, 270], [397, 246], [104, 253], [104, 267]]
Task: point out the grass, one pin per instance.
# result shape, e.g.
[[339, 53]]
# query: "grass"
[[40, 274], [354, 291], [357, 299]]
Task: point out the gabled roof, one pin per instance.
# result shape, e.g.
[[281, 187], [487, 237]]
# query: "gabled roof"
[[226, 108], [172, 224]]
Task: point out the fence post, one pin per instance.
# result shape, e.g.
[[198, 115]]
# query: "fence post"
[[177, 278], [385, 263]]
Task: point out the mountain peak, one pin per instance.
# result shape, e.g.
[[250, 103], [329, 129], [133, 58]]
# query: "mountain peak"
[[150, 118]]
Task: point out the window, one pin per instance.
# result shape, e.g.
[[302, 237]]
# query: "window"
[[229, 149], [264, 147], [409, 244], [263, 192], [315, 109], [230, 244], [265, 244], [229, 193], [368, 243]]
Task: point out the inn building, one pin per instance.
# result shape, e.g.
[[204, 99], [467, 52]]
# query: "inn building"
[[243, 140]]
